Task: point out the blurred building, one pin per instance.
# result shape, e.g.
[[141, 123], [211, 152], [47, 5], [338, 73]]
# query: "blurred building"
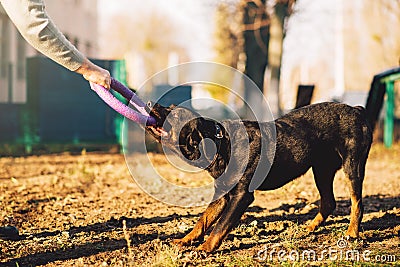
[[339, 46], [77, 19]]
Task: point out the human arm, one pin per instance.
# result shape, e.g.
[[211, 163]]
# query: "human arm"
[[32, 21]]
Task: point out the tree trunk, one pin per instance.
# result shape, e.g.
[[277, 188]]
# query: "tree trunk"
[[256, 41], [275, 51]]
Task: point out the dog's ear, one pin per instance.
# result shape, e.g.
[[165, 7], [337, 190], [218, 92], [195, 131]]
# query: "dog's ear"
[[212, 133], [211, 129], [200, 141]]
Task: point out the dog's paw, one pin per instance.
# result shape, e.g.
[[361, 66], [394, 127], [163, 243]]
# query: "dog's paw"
[[311, 227], [351, 233], [205, 248], [180, 242]]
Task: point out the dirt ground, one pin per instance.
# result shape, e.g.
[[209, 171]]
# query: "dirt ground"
[[86, 210]]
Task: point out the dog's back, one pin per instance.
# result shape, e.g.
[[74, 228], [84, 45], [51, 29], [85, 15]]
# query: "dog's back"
[[317, 135]]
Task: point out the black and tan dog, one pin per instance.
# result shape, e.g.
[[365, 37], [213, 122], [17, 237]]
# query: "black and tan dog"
[[324, 137]]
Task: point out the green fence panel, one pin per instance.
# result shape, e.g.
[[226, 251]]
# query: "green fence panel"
[[383, 84], [390, 106], [119, 72], [61, 107]]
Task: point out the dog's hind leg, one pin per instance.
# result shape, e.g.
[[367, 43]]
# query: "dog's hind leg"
[[324, 173], [207, 219], [356, 207], [355, 171]]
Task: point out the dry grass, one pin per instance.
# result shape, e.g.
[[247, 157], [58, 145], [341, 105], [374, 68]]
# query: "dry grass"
[[85, 210]]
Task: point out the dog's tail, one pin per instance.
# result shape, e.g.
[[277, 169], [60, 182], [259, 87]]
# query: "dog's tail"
[[362, 111], [367, 129], [361, 108]]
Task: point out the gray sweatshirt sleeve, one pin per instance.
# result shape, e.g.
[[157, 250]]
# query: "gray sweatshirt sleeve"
[[32, 21]]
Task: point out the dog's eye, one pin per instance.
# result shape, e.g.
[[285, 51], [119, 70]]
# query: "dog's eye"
[[195, 145], [192, 143]]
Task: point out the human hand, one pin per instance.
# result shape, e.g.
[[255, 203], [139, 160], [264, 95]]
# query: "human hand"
[[95, 74]]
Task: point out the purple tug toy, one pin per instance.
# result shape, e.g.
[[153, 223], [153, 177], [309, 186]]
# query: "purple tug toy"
[[142, 118]]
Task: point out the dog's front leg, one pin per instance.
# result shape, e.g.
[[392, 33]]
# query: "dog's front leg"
[[207, 219], [238, 203]]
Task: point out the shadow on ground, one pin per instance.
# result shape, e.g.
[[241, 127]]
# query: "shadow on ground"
[[373, 203]]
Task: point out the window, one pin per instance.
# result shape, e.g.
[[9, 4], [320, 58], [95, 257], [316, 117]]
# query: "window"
[[4, 46], [21, 55]]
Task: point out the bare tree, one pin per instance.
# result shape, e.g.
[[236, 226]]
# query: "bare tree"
[[248, 28], [282, 9], [256, 35], [150, 35], [228, 44], [263, 33]]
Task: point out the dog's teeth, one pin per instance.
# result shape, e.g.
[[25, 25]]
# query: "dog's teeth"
[[163, 132]]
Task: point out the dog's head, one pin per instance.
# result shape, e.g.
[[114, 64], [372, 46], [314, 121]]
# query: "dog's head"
[[187, 133]]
